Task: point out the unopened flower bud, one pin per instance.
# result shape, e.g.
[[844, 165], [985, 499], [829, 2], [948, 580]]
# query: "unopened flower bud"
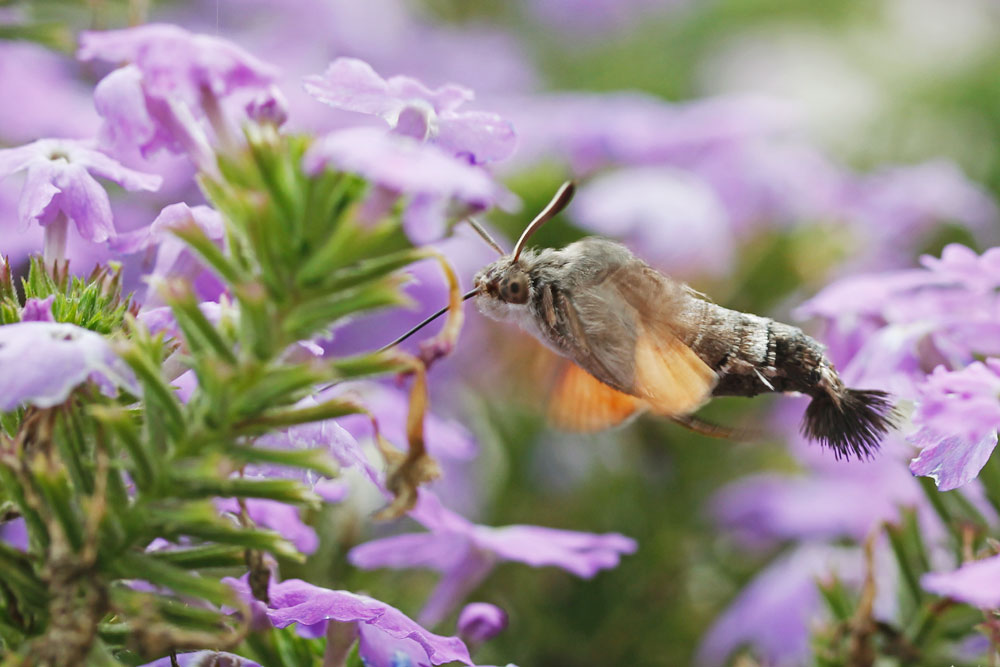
[[269, 107], [481, 621]]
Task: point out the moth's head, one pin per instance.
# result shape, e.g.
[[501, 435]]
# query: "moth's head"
[[505, 285], [505, 280]]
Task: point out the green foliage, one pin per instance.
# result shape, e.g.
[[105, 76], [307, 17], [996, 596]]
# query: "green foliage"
[[97, 479], [94, 303]]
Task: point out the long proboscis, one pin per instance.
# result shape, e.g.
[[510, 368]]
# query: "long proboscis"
[[465, 297], [560, 200]]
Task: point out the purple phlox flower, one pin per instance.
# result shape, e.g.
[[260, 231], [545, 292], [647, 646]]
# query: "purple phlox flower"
[[465, 552], [381, 628], [481, 621], [60, 187], [436, 185], [976, 583], [177, 63], [38, 310], [135, 121], [281, 517], [775, 612], [671, 217], [174, 258], [392, 35], [959, 414], [412, 109], [44, 361], [906, 323], [174, 78], [204, 659], [965, 403]]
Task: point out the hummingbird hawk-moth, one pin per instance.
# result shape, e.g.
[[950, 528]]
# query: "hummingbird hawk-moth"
[[635, 340]]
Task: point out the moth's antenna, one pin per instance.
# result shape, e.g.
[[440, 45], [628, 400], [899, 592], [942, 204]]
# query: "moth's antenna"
[[559, 201], [486, 235], [465, 297]]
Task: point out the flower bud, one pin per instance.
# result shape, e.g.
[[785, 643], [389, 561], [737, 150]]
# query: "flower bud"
[[269, 107], [480, 622]]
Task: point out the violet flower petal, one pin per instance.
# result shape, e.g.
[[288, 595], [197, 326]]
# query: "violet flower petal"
[[60, 181], [85, 202], [440, 552], [963, 403], [583, 554], [15, 533], [162, 319], [280, 517], [13, 160], [466, 552], [962, 264], [44, 361], [404, 166], [296, 601], [952, 461], [976, 583], [775, 610], [73, 151], [38, 310], [353, 85], [121, 102], [170, 217], [414, 110], [478, 136], [456, 585]]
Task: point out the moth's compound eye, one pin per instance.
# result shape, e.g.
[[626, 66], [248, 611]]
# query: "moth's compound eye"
[[514, 289]]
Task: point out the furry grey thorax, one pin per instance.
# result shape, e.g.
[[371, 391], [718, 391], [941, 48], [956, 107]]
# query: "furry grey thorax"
[[553, 275]]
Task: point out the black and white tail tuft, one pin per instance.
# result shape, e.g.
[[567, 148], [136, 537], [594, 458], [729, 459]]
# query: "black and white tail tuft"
[[851, 423]]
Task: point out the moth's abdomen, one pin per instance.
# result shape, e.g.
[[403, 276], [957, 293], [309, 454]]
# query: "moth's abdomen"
[[755, 355]]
